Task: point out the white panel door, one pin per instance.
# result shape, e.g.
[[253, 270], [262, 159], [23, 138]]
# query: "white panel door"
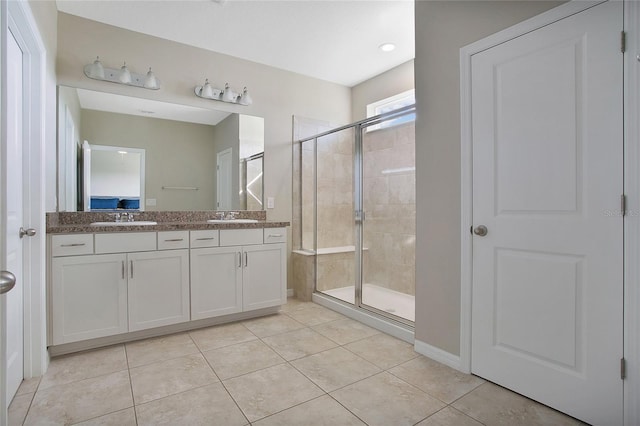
[[13, 212], [547, 181], [224, 179], [216, 281], [158, 288]]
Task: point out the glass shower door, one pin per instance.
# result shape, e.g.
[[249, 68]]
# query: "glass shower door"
[[388, 231]]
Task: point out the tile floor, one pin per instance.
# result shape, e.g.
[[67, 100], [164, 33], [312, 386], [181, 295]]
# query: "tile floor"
[[305, 366]]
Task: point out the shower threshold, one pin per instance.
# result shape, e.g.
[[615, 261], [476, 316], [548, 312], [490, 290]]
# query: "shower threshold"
[[391, 301]]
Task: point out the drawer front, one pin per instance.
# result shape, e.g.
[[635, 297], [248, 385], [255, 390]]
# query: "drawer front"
[[125, 242], [71, 245], [173, 240], [205, 238], [240, 237], [275, 235]]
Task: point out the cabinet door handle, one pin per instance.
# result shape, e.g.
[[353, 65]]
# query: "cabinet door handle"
[[246, 259], [174, 239], [239, 260], [131, 264], [123, 269], [73, 245], [274, 236], [205, 239]]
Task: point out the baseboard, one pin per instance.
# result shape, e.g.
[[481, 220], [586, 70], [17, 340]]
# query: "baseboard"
[[290, 292], [439, 355]]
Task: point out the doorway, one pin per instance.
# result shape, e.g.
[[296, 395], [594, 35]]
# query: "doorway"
[[545, 227]]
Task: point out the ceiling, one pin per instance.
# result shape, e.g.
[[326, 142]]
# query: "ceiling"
[[330, 40]]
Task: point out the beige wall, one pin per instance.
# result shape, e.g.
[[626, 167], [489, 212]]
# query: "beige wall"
[[45, 15], [227, 135], [277, 94], [176, 154], [396, 80], [442, 28]]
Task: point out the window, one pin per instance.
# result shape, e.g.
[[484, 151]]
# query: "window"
[[389, 104]]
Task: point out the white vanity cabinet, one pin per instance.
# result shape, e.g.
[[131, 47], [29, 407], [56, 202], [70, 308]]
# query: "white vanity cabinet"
[[243, 274], [89, 297]]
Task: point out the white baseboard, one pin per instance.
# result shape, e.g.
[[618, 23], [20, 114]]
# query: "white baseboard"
[[290, 292], [439, 355]]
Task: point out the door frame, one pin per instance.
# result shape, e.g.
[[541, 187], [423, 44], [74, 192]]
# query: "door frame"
[[631, 189], [17, 17]]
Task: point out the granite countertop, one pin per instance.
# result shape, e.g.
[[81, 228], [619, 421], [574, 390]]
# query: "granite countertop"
[[80, 222]]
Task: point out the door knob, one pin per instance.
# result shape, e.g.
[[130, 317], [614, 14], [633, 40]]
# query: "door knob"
[[480, 231], [7, 281], [30, 232]]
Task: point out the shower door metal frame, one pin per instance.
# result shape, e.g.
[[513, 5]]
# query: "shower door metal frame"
[[359, 213]]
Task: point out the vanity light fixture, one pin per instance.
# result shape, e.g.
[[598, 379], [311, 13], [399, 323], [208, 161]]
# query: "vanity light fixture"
[[123, 75], [227, 94], [387, 47]]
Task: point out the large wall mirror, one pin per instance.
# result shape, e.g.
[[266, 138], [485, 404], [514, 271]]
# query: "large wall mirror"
[[187, 158]]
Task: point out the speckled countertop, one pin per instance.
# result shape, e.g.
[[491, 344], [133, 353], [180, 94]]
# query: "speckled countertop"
[[80, 222]]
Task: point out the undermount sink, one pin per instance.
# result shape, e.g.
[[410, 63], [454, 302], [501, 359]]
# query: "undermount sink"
[[232, 221], [138, 223]]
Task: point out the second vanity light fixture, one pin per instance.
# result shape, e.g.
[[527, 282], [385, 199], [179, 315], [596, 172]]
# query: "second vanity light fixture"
[[207, 91], [97, 71]]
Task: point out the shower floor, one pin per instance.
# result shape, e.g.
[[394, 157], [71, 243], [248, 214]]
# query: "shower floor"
[[384, 299]]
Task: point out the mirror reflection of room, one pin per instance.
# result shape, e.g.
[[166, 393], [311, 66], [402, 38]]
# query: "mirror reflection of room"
[[183, 146]]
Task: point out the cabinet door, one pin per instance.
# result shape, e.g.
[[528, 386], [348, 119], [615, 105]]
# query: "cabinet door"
[[264, 276], [216, 282], [89, 297], [158, 288]]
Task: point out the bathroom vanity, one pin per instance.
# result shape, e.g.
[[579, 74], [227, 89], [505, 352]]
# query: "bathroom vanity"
[[113, 283]]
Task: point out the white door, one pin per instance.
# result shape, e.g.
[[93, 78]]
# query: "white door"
[[12, 211], [264, 276], [547, 317], [224, 173]]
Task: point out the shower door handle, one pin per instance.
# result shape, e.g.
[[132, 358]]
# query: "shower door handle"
[[360, 216]]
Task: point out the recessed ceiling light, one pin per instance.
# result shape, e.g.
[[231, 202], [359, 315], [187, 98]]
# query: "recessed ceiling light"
[[387, 47]]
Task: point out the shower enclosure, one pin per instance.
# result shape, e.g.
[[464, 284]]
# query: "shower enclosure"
[[354, 213]]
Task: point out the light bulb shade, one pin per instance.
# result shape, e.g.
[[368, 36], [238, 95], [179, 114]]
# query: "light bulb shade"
[[207, 90], [96, 70], [124, 76], [150, 82], [228, 95], [245, 98]]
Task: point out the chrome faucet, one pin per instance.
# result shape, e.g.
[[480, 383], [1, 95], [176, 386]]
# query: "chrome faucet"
[[231, 215], [116, 216], [125, 217], [220, 215]]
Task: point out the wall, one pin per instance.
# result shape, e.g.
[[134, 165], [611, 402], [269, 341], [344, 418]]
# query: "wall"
[[442, 28], [177, 154], [45, 15], [396, 80]]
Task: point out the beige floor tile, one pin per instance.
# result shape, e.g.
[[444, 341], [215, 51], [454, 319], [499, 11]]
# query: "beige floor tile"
[[207, 405], [271, 390], [160, 379], [293, 304], [82, 400], [345, 331], [221, 336], [19, 407], [449, 417], [436, 379], [386, 400], [314, 314], [335, 368], [493, 405], [84, 365], [272, 325], [323, 411], [28, 386], [299, 343], [119, 418], [159, 349], [383, 350], [236, 360]]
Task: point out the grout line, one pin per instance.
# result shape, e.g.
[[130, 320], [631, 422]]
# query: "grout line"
[[133, 397]]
